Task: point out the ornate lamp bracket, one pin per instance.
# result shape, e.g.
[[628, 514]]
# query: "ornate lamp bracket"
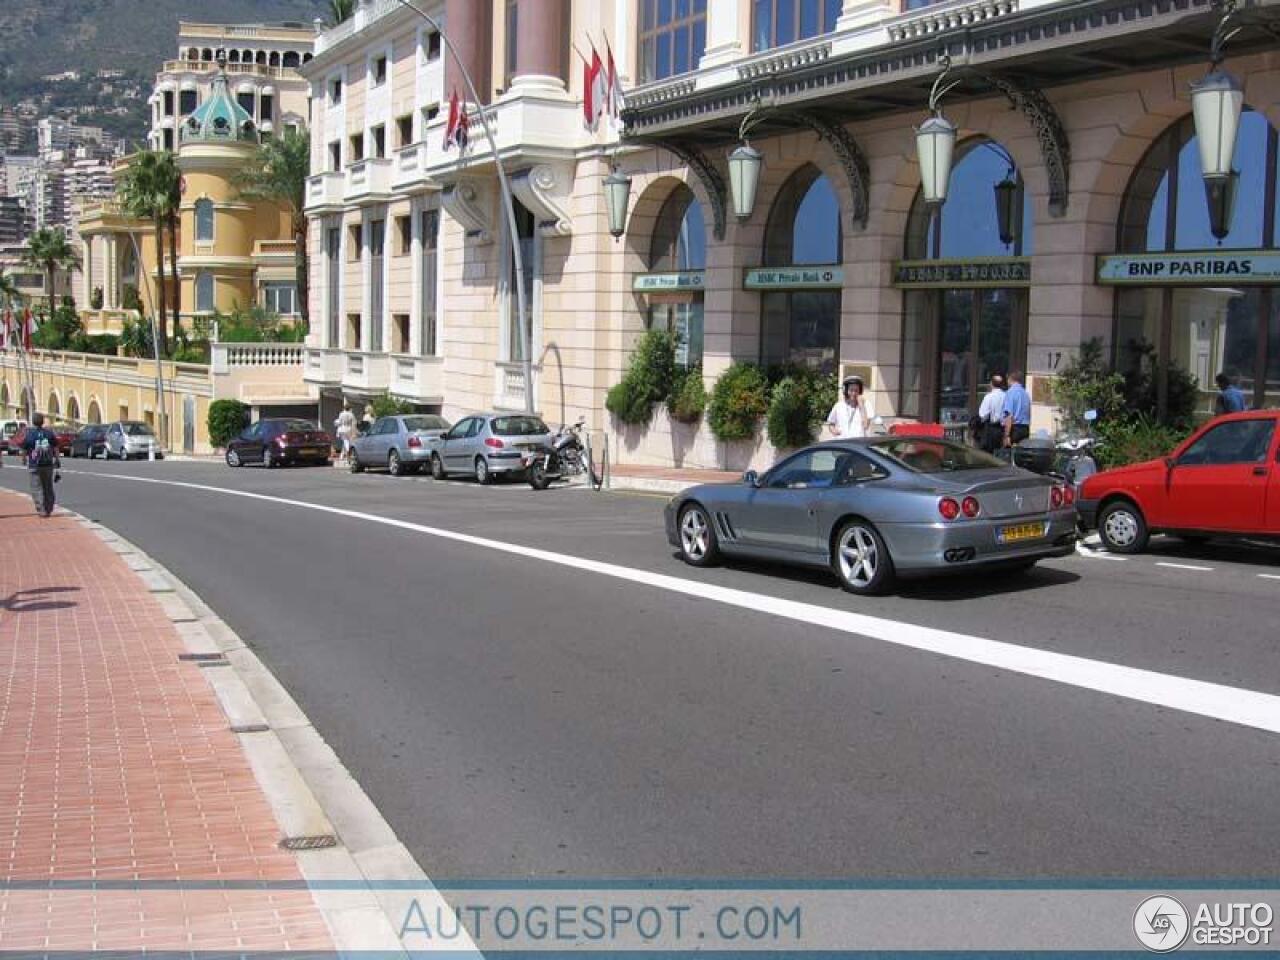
[[851, 158], [711, 179], [1049, 131]]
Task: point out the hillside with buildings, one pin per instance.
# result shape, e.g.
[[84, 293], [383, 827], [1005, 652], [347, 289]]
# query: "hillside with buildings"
[[93, 61]]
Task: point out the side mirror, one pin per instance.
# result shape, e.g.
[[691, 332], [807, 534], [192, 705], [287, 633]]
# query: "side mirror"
[[751, 478], [1090, 416], [1170, 462]]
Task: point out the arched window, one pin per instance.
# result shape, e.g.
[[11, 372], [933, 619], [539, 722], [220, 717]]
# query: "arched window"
[[4, 397], [54, 409], [204, 292], [291, 58], [95, 412], [969, 224], [204, 221], [206, 55], [679, 245], [274, 59], [802, 326], [73, 409], [233, 56], [1218, 327], [680, 234]]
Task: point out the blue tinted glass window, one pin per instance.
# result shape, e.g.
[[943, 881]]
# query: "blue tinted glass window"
[[672, 37]]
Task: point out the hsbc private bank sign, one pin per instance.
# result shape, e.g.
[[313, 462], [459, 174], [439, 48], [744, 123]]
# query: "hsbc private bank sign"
[[1208, 268]]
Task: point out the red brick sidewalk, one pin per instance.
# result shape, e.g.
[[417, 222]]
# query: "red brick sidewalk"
[[117, 763]]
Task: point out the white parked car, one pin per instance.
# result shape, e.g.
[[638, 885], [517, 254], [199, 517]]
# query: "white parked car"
[[127, 439]]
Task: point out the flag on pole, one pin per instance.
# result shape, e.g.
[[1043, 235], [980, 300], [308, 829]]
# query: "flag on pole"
[[29, 326], [456, 131], [594, 90], [613, 103]]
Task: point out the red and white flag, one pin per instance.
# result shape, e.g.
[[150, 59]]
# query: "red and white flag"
[[456, 131], [6, 325], [29, 327], [613, 103], [594, 90]]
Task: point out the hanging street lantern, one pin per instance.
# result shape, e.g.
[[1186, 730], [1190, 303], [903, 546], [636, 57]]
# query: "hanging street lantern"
[[1006, 209], [617, 195], [1220, 192], [1216, 103], [744, 177], [745, 164], [936, 143]]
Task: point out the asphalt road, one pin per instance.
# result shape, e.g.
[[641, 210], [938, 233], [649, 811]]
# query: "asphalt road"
[[515, 716]]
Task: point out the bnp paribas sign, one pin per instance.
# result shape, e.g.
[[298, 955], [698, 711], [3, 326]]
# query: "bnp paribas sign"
[[1195, 268]]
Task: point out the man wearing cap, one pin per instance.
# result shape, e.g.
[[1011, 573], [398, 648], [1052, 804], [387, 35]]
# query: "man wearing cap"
[[851, 416]]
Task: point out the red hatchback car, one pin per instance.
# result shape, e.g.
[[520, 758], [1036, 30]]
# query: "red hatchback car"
[[1223, 480]]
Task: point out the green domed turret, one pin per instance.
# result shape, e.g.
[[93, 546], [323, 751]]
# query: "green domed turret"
[[220, 117]]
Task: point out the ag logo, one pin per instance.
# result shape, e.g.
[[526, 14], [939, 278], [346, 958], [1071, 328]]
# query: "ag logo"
[[1161, 924]]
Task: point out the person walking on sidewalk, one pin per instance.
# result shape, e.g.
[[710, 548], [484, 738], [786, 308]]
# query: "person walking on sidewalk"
[[346, 429], [851, 416], [41, 450]]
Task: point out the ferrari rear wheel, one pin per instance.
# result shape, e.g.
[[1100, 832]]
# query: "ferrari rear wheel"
[[698, 544], [861, 560]]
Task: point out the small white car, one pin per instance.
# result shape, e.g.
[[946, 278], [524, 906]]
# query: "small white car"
[[127, 439]]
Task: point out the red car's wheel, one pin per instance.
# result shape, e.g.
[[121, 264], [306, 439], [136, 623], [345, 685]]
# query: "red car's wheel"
[[1122, 527]]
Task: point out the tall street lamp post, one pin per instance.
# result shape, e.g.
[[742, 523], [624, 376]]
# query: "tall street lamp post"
[[508, 201]]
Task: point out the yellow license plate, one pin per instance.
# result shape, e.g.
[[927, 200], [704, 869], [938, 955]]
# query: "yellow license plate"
[[1021, 531]]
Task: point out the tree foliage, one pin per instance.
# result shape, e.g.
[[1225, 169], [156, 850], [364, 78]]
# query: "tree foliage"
[[739, 399], [226, 419], [149, 190], [648, 380], [50, 252]]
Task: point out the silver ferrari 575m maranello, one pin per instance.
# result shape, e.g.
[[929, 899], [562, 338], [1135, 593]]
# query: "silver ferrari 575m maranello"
[[877, 508]]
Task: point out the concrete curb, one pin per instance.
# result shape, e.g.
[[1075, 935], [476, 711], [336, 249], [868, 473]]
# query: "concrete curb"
[[310, 791]]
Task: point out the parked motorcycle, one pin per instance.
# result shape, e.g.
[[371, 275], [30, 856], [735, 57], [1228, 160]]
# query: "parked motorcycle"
[[1075, 460], [565, 456]]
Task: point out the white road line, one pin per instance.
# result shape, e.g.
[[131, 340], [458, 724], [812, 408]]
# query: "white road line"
[[1269, 576], [1183, 566], [1248, 708]]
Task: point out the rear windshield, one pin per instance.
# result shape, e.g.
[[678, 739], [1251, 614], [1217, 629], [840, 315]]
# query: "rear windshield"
[[11, 428], [518, 426], [935, 456], [428, 422], [137, 430], [297, 426]]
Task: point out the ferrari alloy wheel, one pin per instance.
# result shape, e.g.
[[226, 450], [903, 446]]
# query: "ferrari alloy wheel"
[[861, 559], [698, 545]]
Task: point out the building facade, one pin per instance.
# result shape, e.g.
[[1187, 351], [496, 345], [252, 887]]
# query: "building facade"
[[261, 61], [1075, 208]]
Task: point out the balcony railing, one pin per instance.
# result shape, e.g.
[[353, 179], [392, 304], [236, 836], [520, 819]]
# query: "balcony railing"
[[367, 372], [323, 366], [410, 172], [233, 69], [228, 355], [369, 181], [417, 378], [325, 190]]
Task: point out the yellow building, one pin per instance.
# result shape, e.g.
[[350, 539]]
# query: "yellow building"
[[233, 253]]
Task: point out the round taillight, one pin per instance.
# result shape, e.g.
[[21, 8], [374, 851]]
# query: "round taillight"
[[970, 507], [1055, 498], [1068, 496], [948, 508]]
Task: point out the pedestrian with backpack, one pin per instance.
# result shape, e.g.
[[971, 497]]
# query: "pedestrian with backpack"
[[40, 447]]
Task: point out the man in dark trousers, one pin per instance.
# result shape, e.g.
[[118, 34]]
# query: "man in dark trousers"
[[40, 447]]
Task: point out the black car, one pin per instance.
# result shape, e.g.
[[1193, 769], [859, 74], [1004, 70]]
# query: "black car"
[[89, 442], [273, 443]]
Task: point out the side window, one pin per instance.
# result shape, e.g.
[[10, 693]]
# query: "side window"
[[477, 424], [1240, 441], [854, 467], [805, 471], [460, 429]]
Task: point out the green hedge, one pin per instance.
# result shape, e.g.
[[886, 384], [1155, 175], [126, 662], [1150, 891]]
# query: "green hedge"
[[689, 398], [226, 419], [739, 399], [649, 379]]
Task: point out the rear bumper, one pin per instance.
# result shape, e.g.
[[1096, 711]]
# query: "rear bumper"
[[919, 548]]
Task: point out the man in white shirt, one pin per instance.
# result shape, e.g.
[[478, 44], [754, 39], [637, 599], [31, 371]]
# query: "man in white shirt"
[[851, 416], [989, 413]]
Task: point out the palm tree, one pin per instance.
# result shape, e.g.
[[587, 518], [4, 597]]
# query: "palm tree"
[[340, 10], [49, 251], [278, 174], [144, 193], [171, 178]]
